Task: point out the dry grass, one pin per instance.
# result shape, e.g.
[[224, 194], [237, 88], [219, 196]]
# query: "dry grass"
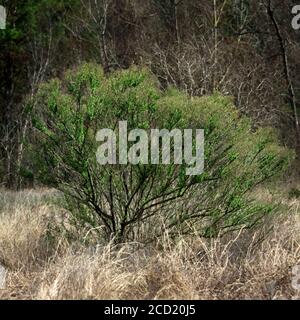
[[240, 267]]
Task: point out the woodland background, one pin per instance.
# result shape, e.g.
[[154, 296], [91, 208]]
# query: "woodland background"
[[241, 48]]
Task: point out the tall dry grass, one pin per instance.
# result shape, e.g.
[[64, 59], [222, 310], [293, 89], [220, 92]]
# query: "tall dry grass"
[[46, 265]]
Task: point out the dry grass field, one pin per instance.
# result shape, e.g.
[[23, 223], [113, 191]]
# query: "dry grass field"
[[43, 261]]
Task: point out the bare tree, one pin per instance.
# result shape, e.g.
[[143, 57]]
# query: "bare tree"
[[91, 27], [285, 63]]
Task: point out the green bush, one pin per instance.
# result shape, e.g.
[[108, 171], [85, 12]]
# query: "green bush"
[[134, 202]]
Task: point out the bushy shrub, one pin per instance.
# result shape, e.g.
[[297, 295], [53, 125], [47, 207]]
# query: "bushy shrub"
[[124, 200]]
